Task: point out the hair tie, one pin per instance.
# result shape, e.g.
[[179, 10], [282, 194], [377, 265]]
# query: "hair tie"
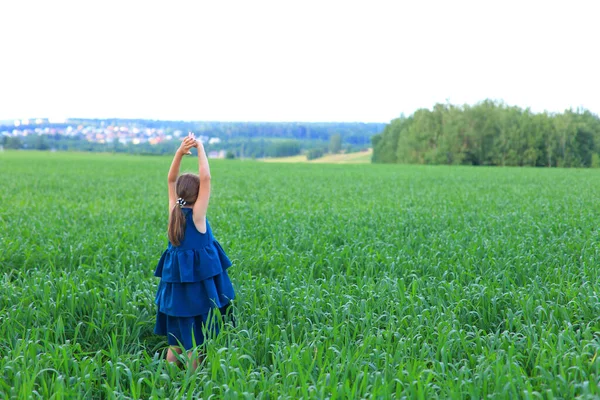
[[181, 202]]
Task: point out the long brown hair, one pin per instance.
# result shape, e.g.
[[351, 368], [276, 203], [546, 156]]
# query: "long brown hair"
[[186, 187]]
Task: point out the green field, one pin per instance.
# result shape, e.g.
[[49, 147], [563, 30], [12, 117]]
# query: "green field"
[[353, 281]]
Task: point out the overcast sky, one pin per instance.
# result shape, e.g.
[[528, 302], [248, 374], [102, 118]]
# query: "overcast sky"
[[293, 60]]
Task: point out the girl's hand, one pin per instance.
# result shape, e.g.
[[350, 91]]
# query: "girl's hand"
[[186, 145], [197, 143]]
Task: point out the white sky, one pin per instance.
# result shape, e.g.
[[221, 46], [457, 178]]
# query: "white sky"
[[303, 60]]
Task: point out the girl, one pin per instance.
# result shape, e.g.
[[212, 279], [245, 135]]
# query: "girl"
[[193, 269]]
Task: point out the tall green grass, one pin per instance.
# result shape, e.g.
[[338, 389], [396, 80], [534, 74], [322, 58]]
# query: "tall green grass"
[[353, 281]]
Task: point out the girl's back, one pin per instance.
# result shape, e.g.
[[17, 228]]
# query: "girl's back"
[[192, 237], [197, 258]]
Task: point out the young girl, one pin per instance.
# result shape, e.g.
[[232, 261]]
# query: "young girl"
[[193, 269]]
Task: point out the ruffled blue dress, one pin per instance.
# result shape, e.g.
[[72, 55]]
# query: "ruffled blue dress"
[[194, 283]]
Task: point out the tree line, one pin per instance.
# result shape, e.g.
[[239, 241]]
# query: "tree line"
[[238, 139], [355, 133], [234, 148], [491, 133]]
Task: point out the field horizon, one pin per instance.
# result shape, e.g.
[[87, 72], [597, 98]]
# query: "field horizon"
[[360, 157]]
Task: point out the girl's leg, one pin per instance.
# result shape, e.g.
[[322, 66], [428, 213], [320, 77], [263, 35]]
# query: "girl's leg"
[[195, 361], [172, 354], [174, 351]]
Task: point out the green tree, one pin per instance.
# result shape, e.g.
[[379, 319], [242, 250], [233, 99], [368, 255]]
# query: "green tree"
[[285, 148], [13, 142], [335, 143], [315, 153], [490, 133], [41, 143], [385, 144]]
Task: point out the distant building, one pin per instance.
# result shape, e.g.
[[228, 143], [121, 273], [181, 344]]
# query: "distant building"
[[216, 154]]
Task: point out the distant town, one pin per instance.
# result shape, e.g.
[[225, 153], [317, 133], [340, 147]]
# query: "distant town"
[[102, 133], [223, 139]]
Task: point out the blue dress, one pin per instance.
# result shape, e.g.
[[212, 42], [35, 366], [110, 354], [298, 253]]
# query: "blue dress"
[[194, 282]]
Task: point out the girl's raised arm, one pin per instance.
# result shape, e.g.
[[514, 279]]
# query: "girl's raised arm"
[[201, 205], [183, 149]]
